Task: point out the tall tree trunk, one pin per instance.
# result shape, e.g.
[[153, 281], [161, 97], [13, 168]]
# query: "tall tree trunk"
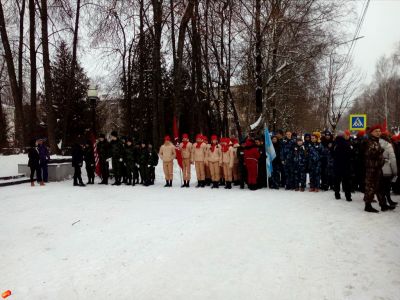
[[20, 65], [142, 60], [48, 84], [32, 51], [15, 88], [259, 85], [178, 88], [158, 103]]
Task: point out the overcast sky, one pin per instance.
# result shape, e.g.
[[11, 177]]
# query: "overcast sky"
[[381, 31]]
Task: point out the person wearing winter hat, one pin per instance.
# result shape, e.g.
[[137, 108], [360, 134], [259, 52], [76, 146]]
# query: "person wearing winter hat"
[[130, 161], [186, 150], [359, 144], [286, 150], [374, 162], [117, 157], [167, 155], [227, 161], [103, 150], [77, 162], [214, 160], [198, 156]]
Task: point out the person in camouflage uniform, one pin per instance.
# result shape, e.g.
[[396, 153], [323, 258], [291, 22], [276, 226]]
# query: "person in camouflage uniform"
[[314, 163], [299, 162], [103, 150], [130, 161], [152, 162], [286, 151], [327, 172], [117, 154], [374, 162]]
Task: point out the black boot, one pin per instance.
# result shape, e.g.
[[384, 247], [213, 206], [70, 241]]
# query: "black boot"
[[166, 183], [187, 184], [184, 184], [76, 182], [392, 203], [198, 184], [202, 183], [348, 197], [228, 185], [337, 196], [369, 208], [386, 207], [81, 184], [215, 185]]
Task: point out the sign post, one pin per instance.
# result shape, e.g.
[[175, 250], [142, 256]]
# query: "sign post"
[[358, 122]]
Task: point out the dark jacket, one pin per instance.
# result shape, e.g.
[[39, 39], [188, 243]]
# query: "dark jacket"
[[77, 156], [152, 157], [116, 149], [342, 156], [34, 159], [103, 149], [88, 154], [44, 155]]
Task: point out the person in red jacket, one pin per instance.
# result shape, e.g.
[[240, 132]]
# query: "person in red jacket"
[[251, 156]]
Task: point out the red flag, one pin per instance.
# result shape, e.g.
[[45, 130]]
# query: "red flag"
[[96, 154], [176, 141]]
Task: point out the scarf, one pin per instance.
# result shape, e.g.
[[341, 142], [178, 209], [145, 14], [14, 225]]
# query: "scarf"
[[184, 144], [198, 145]]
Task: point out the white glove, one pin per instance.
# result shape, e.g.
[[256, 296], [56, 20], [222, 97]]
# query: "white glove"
[[121, 160], [394, 179], [108, 159], [149, 166]]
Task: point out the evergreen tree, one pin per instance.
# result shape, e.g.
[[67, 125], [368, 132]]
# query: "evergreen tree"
[[78, 118]]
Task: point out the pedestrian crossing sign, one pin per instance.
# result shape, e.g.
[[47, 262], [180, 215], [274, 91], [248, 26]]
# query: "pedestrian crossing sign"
[[358, 122]]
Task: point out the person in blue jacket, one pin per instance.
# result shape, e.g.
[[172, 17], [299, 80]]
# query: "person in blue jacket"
[[299, 161], [286, 151], [314, 163]]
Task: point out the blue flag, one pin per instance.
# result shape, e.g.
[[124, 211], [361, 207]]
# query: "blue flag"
[[270, 151]]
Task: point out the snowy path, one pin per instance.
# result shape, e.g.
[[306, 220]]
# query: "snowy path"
[[156, 243]]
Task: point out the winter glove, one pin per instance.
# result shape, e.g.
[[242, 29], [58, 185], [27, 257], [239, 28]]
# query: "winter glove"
[[394, 179], [92, 165], [121, 160], [283, 162], [149, 166], [108, 159]]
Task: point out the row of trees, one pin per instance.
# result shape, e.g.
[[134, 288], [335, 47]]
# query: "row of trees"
[[208, 66]]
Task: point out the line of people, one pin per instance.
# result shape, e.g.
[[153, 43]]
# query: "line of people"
[[367, 163]]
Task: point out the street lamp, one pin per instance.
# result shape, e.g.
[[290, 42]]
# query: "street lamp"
[[92, 97]]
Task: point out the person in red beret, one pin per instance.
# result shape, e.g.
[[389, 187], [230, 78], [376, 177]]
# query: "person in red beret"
[[198, 157], [374, 162], [227, 161], [235, 168], [214, 160], [167, 155], [208, 179], [186, 150]]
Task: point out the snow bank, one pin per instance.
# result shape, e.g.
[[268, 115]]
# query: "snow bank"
[[106, 242]]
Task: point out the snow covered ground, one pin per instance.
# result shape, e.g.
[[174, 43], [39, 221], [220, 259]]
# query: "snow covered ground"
[[106, 242]]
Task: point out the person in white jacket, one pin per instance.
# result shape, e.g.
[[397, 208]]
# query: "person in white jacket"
[[389, 169]]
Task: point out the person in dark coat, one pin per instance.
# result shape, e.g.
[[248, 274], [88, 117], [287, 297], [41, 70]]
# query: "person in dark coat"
[[77, 162], [374, 162], [251, 156], [143, 162], [359, 144], [342, 158], [117, 157], [275, 179], [103, 150], [90, 163], [242, 164], [151, 164], [262, 164], [299, 162], [44, 158], [34, 163], [130, 161]]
